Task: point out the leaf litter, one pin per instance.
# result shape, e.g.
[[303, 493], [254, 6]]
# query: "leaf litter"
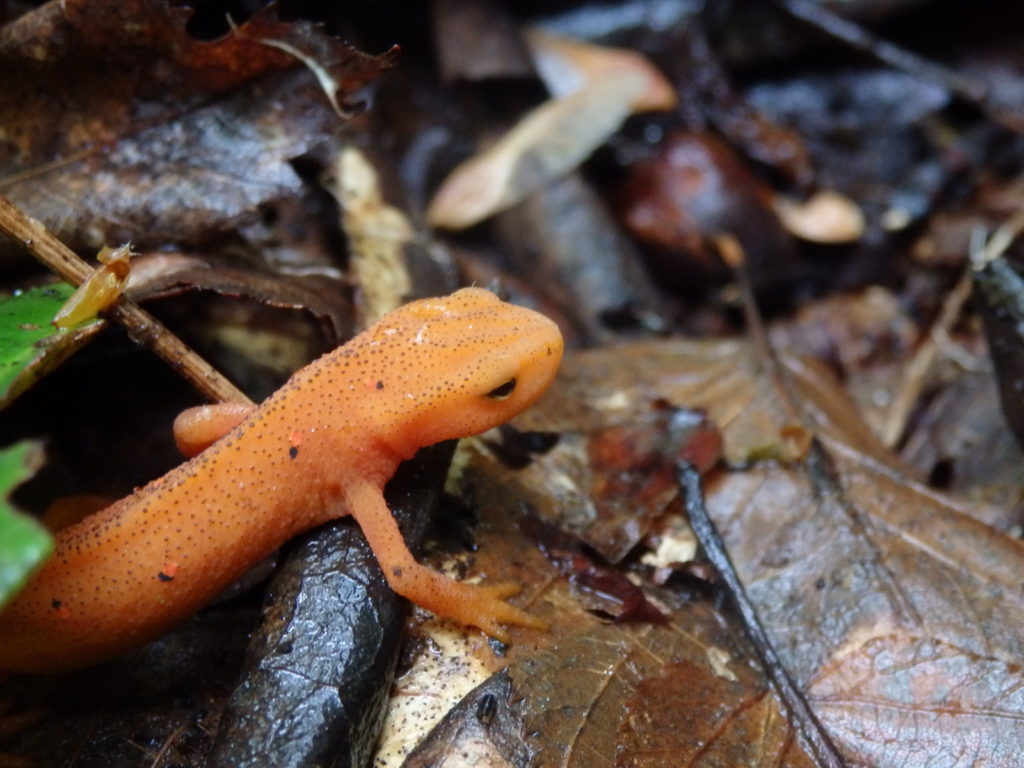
[[892, 607], [881, 596]]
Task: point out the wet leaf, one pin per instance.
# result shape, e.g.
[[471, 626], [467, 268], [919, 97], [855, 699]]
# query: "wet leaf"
[[687, 715], [157, 136], [956, 703], [693, 189], [30, 347], [160, 275], [608, 482], [651, 696], [618, 383], [961, 443], [845, 557]]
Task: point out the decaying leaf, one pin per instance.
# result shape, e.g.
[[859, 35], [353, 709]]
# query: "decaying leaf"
[[651, 696], [690, 714], [607, 481], [961, 443], [579, 695], [696, 188], [160, 275], [851, 564], [959, 706], [720, 377], [151, 135]]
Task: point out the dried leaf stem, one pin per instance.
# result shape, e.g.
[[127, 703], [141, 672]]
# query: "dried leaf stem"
[[142, 327]]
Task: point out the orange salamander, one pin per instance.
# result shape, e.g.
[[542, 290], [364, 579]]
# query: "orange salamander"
[[321, 447]]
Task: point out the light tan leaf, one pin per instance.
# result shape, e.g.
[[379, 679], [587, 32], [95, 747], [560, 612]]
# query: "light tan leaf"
[[608, 85]]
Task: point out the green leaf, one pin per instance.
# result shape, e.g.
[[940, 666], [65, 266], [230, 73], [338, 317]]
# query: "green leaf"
[[29, 346], [24, 543]]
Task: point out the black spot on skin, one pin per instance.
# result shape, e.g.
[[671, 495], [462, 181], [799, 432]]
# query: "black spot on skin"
[[164, 577], [380, 385], [397, 571], [293, 452], [55, 604]]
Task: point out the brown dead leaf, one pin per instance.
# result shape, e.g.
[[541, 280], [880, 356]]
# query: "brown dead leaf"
[[651, 696], [617, 383], [693, 189], [608, 482], [855, 569], [148, 134], [958, 705], [159, 275], [961, 443], [686, 715]]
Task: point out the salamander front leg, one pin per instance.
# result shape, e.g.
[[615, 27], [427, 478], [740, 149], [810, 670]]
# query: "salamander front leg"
[[481, 606], [196, 429]]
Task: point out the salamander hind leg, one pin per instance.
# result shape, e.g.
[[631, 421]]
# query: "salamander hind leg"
[[480, 606]]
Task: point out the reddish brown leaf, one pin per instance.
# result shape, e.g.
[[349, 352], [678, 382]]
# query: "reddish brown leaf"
[[692, 190], [608, 478], [688, 716], [651, 696]]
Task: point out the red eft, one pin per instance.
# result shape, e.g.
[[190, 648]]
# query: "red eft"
[[321, 447]]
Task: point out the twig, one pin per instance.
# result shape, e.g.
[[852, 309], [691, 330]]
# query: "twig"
[[983, 253], [824, 751], [142, 327], [898, 412], [968, 88], [165, 748]]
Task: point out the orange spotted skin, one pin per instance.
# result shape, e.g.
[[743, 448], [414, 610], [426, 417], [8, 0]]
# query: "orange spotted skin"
[[320, 448]]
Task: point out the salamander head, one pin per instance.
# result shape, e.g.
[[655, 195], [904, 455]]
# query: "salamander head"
[[455, 366]]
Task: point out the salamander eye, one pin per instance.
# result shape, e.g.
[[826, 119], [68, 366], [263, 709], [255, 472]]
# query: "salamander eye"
[[502, 391]]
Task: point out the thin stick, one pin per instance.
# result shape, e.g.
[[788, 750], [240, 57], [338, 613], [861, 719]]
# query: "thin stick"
[[971, 89], [142, 327], [916, 371], [857, 37], [816, 737]]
